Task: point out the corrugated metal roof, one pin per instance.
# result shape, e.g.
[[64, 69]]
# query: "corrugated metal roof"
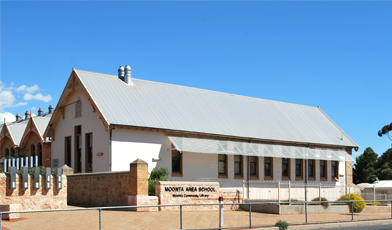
[[42, 122], [173, 107], [17, 129]]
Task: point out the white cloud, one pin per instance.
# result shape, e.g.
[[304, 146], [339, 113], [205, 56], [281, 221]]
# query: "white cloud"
[[24, 88], [20, 104], [8, 116], [39, 96], [6, 99]]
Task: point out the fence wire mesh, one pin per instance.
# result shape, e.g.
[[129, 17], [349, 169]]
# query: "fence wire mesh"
[[195, 216]]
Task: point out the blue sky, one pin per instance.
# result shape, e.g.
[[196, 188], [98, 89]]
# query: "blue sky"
[[336, 55]]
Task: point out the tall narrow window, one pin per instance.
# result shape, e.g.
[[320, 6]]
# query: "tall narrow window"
[[78, 109], [78, 149], [311, 170], [89, 152], [285, 168], [298, 169], [32, 150], [67, 151], [323, 175], [39, 148], [176, 163], [253, 168], [12, 152], [238, 166], [334, 170], [268, 168], [7, 152], [222, 165]]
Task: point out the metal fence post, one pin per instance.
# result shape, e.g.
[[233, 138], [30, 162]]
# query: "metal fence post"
[[180, 216], [100, 220], [278, 191], [220, 212], [289, 193], [1, 220], [306, 212], [250, 215], [352, 210]]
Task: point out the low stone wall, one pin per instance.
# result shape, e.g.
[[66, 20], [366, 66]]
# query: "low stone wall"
[[189, 192], [99, 189], [31, 198]]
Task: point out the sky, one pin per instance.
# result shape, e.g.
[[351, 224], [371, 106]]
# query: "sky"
[[332, 54]]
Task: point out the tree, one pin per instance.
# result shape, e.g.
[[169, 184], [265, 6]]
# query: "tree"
[[384, 164], [385, 131], [364, 167]]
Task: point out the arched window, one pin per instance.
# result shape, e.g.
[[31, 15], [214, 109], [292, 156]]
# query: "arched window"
[[12, 152], [32, 150], [39, 147], [7, 152]]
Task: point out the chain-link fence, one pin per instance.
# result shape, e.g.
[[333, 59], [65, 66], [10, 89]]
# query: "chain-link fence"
[[197, 216]]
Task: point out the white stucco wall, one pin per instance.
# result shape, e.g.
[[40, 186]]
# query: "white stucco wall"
[[90, 123]]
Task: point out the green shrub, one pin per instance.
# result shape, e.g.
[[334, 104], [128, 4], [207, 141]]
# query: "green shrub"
[[281, 224], [324, 204], [161, 174], [358, 206]]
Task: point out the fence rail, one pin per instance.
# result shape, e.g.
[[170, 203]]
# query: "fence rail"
[[184, 216]]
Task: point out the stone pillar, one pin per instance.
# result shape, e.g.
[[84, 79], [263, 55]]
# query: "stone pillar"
[[138, 190]]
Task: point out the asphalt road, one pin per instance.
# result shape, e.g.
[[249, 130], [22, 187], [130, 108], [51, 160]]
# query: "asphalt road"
[[369, 227]]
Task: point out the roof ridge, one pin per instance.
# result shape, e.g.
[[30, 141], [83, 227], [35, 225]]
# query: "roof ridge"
[[213, 91]]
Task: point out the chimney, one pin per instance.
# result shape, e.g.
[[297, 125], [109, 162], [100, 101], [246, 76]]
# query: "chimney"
[[40, 112], [18, 117], [51, 109], [121, 73], [27, 115], [127, 77]]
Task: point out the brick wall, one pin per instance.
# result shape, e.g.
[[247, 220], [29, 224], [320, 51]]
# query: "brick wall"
[[98, 189], [31, 198]]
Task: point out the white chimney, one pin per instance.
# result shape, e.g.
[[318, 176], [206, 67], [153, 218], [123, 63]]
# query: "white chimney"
[[127, 77]]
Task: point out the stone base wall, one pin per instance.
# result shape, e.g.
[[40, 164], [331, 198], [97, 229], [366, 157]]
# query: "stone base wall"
[[98, 189], [31, 198]]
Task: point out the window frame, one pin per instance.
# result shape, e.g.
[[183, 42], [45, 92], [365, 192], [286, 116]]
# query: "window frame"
[[313, 177], [39, 154], [78, 108], [288, 177], [32, 150], [223, 175], [68, 154], [256, 175], [78, 151], [336, 171], [179, 173], [270, 177], [6, 152], [241, 175], [88, 150], [324, 178], [301, 169]]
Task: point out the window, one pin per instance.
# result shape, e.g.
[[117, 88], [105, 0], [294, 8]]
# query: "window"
[[253, 168], [323, 175], [238, 171], [78, 109], [78, 149], [285, 169], [89, 152], [32, 150], [67, 151], [268, 168], [12, 152], [335, 168], [222, 165], [298, 169], [39, 147], [7, 152], [176, 163], [311, 170]]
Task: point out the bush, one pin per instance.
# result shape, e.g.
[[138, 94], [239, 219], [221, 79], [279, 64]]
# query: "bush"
[[161, 174], [324, 204], [358, 206], [281, 224]]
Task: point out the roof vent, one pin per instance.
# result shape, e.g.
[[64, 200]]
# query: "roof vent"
[[127, 77], [18, 117], [121, 73], [51, 109], [40, 112], [27, 114]]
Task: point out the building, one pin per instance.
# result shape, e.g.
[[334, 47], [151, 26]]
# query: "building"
[[104, 122], [24, 137]]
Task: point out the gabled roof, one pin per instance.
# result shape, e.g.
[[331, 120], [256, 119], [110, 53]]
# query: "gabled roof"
[[17, 129], [42, 122], [172, 107], [36, 124]]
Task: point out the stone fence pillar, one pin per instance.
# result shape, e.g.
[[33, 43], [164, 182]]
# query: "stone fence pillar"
[[138, 190]]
